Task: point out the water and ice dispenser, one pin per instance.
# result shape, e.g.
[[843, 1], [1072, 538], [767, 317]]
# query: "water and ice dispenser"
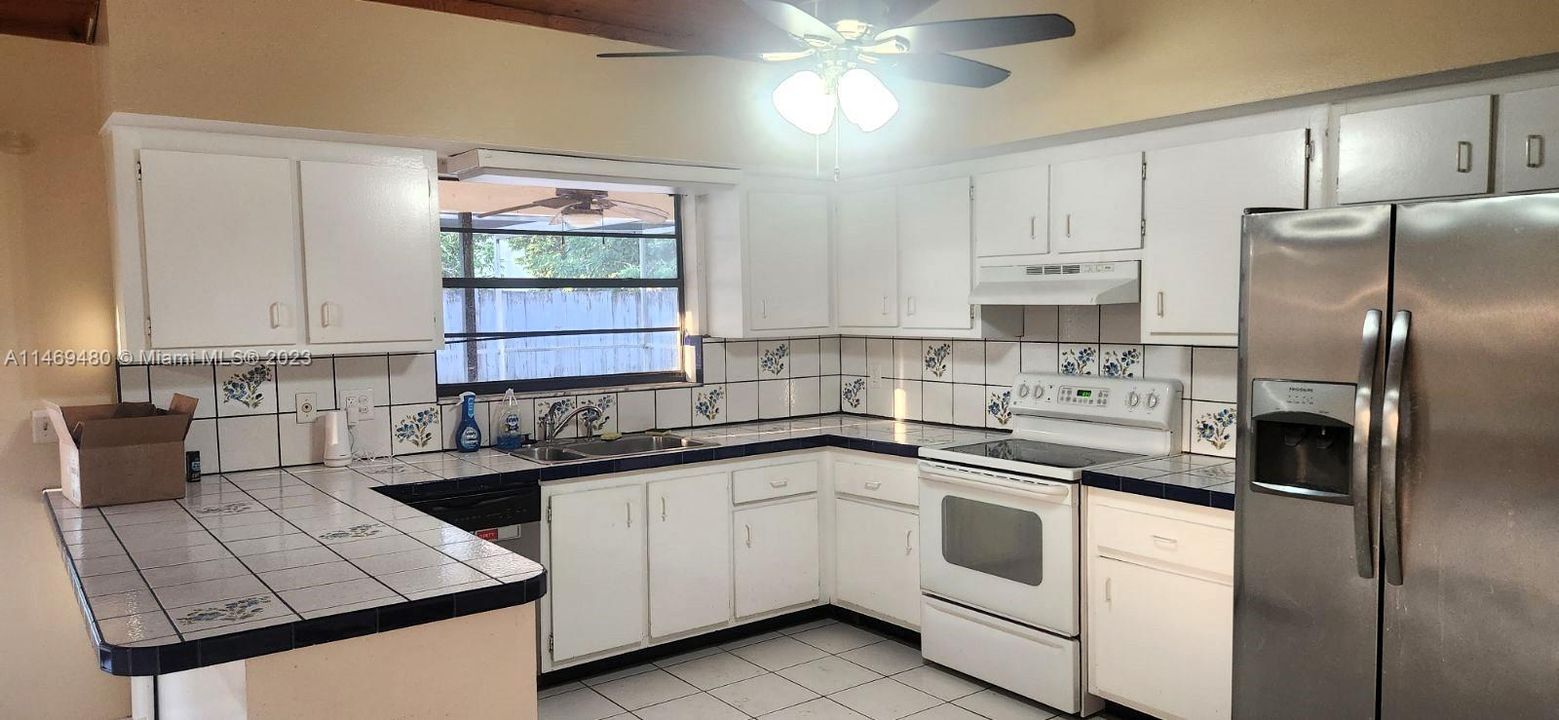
[[1303, 439]]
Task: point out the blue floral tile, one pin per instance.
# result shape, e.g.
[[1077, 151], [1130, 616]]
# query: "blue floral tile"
[[416, 428], [998, 407], [606, 420], [1213, 428], [937, 361], [1120, 361], [709, 405], [852, 394], [245, 389], [774, 359], [1079, 359]]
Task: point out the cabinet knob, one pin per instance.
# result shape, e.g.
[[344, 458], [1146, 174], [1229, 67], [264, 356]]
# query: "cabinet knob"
[[278, 312], [327, 314], [1463, 156], [778, 483], [1534, 151]]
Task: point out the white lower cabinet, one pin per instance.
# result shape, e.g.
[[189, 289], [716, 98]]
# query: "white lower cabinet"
[[877, 560], [1160, 605], [776, 556], [690, 568], [596, 569]]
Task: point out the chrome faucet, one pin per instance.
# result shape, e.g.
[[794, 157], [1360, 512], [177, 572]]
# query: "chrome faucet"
[[549, 430]]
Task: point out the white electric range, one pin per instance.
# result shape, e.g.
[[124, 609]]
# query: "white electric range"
[[1000, 525]]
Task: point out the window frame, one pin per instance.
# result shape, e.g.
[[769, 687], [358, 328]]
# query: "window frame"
[[572, 382]]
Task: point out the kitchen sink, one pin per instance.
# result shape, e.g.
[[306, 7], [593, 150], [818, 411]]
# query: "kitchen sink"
[[595, 448]]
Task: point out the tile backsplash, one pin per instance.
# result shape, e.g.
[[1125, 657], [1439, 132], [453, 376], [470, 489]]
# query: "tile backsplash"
[[246, 418]]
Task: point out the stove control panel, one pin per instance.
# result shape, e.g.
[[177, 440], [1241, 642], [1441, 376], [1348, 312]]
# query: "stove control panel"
[[1142, 402]]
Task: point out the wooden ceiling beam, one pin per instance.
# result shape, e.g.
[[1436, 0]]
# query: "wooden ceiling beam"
[[529, 14]]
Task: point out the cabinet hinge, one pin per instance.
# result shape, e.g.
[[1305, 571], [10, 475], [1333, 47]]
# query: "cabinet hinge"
[[971, 312], [549, 510], [971, 192], [137, 170], [1144, 169], [550, 646], [1144, 227], [148, 328], [1309, 150]]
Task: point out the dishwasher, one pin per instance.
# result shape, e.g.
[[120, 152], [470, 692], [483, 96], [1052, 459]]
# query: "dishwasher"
[[510, 517]]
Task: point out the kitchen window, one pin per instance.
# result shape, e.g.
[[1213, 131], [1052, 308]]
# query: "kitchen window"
[[557, 288]]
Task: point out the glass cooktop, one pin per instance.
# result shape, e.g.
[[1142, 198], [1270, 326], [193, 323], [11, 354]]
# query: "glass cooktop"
[[1043, 453]]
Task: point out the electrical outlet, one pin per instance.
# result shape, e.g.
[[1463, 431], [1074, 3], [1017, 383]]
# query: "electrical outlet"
[[308, 408], [42, 429], [359, 405]]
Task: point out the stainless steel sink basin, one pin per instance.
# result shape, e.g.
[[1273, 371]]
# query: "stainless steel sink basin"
[[547, 454], [635, 445], [595, 448]]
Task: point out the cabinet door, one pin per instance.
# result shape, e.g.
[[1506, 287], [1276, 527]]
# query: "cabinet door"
[[1193, 201], [1434, 149], [934, 255], [370, 242], [1095, 204], [1528, 129], [787, 266], [877, 560], [1012, 212], [221, 243], [776, 557], [596, 580], [690, 565], [867, 247], [1159, 641]]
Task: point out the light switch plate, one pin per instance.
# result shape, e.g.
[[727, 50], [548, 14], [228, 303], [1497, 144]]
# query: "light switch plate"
[[308, 408], [42, 429]]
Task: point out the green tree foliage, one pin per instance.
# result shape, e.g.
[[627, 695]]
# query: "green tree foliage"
[[564, 256]]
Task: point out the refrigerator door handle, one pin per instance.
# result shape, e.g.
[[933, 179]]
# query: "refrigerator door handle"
[[1363, 401], [1390, 440]]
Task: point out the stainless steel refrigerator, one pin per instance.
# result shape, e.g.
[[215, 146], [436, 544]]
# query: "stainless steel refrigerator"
[[1398, 478]]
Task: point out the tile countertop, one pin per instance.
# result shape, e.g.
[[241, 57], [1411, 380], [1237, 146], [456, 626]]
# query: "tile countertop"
[[252, 563], [1193, 479]]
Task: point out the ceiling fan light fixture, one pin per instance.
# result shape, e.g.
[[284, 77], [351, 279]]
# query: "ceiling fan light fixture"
[[804, 100], [866, 102], [575, 218]]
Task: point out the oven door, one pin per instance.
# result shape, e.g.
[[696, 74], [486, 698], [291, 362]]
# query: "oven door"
[[1000, 543]]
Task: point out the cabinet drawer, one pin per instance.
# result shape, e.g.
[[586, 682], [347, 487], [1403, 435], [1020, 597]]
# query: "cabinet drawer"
[[878, 482], [1164, 540], [765, 483]]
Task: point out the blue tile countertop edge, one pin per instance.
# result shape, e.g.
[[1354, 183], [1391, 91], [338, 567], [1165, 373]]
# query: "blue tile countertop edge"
[[1189, 479], [174, 652]]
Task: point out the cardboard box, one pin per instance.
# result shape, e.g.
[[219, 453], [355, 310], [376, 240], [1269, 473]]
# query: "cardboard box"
[[122, 452]]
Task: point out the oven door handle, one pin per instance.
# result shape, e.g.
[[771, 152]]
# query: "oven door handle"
[[1049, 492]]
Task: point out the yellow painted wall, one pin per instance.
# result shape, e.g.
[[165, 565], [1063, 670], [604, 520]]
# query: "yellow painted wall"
[[361, 66], [55, 292]]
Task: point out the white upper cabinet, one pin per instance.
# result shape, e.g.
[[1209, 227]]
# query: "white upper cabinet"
[[1012, 212], [1436, 149], [788, 260], [1193, 200], [1095, 204], [866, 241], [935, 255], [221, 244], [373, 274], [1528, 131], [244, 243]]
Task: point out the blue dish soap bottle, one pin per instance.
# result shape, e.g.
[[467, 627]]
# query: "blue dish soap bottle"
[[468, 435], [507, 437]]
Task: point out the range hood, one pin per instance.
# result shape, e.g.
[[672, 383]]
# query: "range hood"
[[1094, 283]]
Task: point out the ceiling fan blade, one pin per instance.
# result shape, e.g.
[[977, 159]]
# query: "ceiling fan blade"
[[765, 56], [638, 211], [793, 20], [944, 69], [980, 33], [552, 203]]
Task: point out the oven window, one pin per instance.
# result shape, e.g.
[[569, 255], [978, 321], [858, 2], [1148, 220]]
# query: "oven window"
[[993, 539]]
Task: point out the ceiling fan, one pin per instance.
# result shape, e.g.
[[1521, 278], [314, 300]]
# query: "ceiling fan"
[[582, 208], [847, 50]]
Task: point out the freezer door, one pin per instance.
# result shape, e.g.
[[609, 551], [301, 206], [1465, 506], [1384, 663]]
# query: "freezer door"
[[1306, 587], [1473, 628]]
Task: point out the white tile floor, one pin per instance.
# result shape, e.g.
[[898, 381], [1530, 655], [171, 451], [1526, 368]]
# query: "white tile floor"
[[817, 671]]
